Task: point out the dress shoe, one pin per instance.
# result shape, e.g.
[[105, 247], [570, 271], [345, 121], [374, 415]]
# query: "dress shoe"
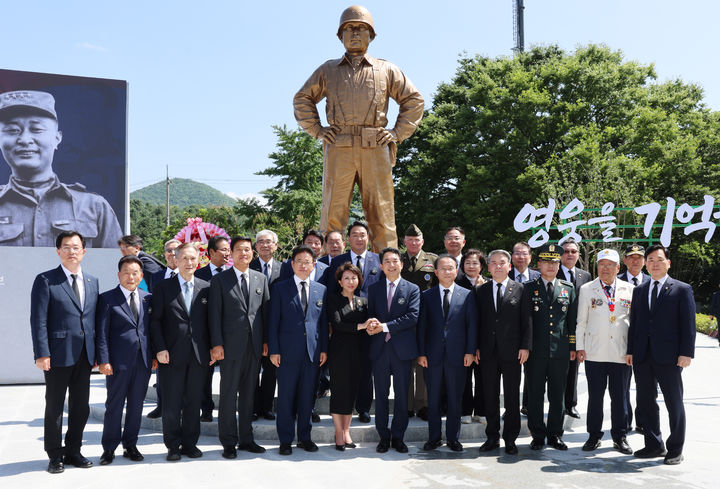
[[229, 452], [423, 413], [650, 452], [557, 443], [206, 417], [511, 448], [350, 445], [572, 412], [431, 445], [285, 449], [340, 448], [490, 444], [399, 445], [622, 446], [383, 446], [466, 419], [364, 417], [133, 454], [192, 452], [455, 446], [251, 447], [107, 457], [315, 417], [155, 413], [78, 461], [55, 465], [537, 444], [640, 430], [523, 411], [270, 416], [173, 455], [592, 443], [411, 414], [673, 458], [308, 445]]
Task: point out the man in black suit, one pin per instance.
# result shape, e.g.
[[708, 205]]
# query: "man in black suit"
[[504, 342], [219, 251], [131, 244], [266, 244], [334, 246], [179, 335], [369, 264], [122, 342], [168, 272], [661, 343], [715, 307], [634, 260], [62, 318], [569, 272], [237, 313]]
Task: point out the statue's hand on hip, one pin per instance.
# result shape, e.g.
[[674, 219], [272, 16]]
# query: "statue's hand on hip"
[[327, 135], [385, 137]]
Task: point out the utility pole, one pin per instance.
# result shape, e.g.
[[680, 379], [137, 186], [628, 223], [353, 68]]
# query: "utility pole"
[[518, 26], [167, 196]]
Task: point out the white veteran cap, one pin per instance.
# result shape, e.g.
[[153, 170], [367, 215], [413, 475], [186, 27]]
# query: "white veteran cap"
[[27, 101], [608, 254]]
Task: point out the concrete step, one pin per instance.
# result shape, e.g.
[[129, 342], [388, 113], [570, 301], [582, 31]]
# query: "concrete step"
[[323, 432]]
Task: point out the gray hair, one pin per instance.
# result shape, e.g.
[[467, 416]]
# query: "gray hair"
[[171, 241], [499, 252], [272, 234]]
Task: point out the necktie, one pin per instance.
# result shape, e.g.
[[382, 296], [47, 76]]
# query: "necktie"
[[635, 281], [134, 306], [244, 290], [446, 302], [653, 296], [217, 270], [572, 276], [550, 290], [266, 271], [519, 278], [413, 262], [498, 297], [188, 296], [391, 287], [607, 290], [357, 263], [173, 274], [76, 289], [303, 297]]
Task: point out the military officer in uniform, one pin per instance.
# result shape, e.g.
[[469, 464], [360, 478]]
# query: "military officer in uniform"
[[35, 205], [553, 310], [419, 269], [356, 146]]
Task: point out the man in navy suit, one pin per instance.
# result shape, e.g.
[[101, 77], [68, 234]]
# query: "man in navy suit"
[[369, 264], [334, 246], [266, 244], [394, 303], [447, 339], [179, 335], [62, 320], [297, 344], [237, 314], [661, 343], [634, 260], [168, 272], [122, 342], [219, 251]]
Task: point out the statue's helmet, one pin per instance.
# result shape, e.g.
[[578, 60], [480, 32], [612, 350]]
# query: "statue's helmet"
[[356, 13]]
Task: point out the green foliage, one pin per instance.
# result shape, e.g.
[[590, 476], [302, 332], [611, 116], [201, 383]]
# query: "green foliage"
[[183, 192], [704, 324]]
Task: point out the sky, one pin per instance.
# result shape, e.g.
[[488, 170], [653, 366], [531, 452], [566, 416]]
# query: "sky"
[[208, 80]]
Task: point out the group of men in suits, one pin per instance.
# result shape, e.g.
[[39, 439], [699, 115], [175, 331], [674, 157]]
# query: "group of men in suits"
[[248, 312]]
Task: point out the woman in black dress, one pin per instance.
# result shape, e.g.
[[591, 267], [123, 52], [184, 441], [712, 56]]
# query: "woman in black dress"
[[473, 404], [348, 316]]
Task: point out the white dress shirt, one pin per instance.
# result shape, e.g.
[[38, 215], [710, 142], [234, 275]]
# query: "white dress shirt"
[[660, 286], [79, 281], [503, 287]]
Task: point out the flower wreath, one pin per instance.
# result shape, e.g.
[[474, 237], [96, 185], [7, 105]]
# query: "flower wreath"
[[200, 232]]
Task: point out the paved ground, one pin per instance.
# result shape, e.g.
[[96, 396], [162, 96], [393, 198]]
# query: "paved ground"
[[23, 462]]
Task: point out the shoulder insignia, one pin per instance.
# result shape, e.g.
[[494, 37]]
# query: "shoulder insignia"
[[565, 282], [76, 186]]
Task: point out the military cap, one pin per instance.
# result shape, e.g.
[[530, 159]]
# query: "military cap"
[[608, 254], [550, 252], [413, 230], [634, 249], [27, 101]]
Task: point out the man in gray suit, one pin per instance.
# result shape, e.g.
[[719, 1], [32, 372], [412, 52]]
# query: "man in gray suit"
[[237, 309]]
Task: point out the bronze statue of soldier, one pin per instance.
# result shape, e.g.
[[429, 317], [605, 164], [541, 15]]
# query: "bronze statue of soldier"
[[357, 147]]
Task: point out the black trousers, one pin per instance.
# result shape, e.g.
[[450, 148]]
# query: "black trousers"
[[237, 390], [473, 401], [492, 370], [75, 382], [265, 392], [552, 371], [182, 387], [610, 376], [207, 405], [571, 386]]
